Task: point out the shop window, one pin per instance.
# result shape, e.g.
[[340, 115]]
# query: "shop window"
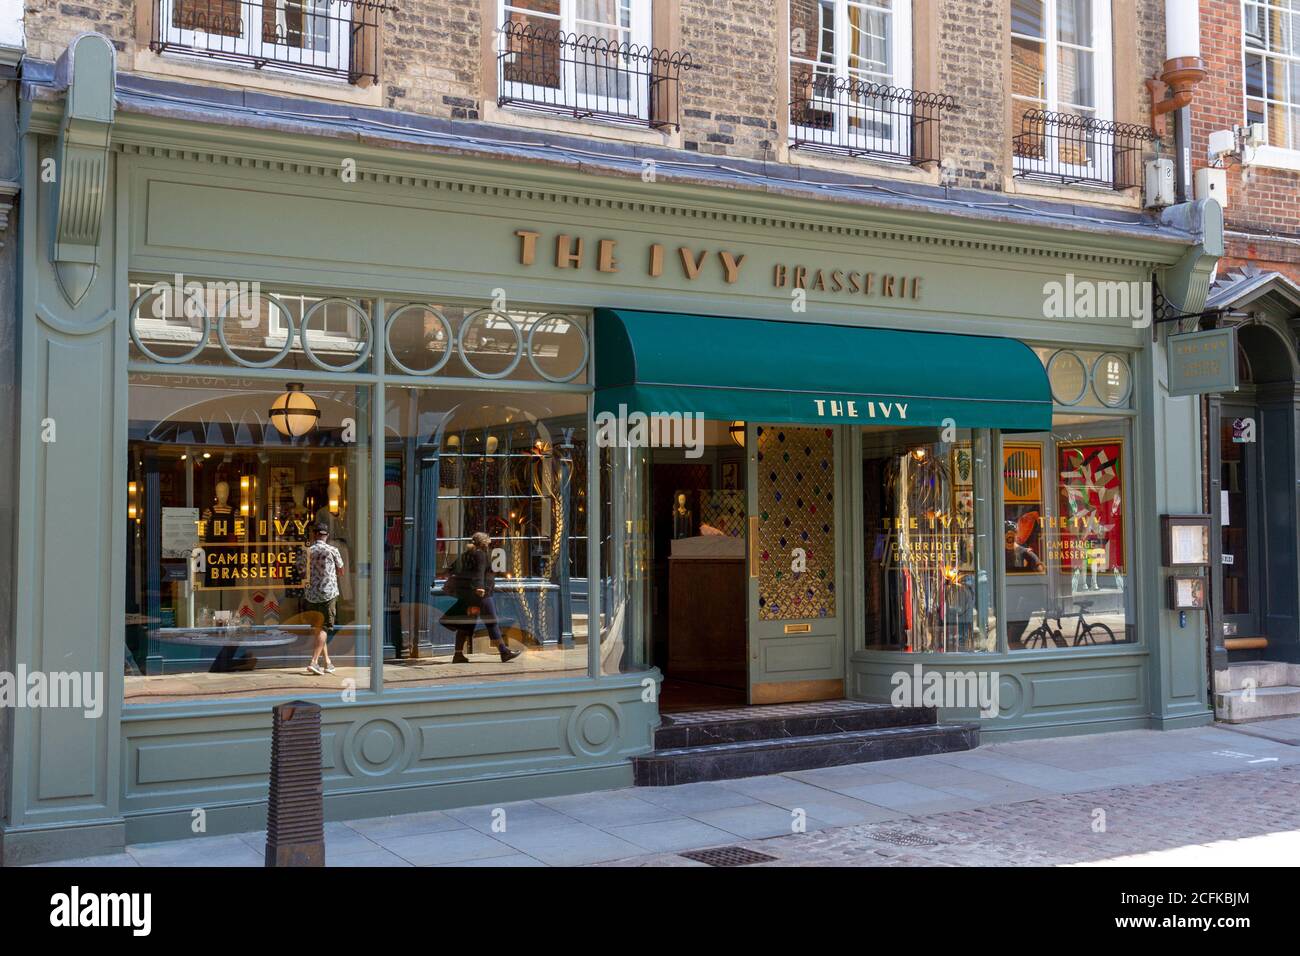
[[512, 466], [928, 553], [227, 485], [329, 38], [1066, 535], [1082, 378], [450, 341], [185, 321], [626, 561], [1271, 32]]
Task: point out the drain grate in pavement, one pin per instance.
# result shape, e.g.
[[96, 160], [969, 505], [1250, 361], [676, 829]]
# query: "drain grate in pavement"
[[901, 838], [727, 856]]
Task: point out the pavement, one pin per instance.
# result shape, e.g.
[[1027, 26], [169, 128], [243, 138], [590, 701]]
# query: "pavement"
[[1203, 796]]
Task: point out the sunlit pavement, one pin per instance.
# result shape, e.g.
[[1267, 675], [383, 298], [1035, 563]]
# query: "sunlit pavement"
[[1197, 796]]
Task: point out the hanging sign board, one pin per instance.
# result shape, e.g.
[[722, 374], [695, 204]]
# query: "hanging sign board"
[[1201, 362]]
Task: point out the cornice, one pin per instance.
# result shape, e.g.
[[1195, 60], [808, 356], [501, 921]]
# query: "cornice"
[[459, 171]]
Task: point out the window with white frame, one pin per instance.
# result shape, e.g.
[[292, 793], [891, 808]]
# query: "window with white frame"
[[311, 36], [841, 52], [590, 56], [1271, 40], [1061, 64]]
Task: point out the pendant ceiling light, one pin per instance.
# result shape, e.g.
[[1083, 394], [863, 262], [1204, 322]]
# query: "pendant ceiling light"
[[293, 413]]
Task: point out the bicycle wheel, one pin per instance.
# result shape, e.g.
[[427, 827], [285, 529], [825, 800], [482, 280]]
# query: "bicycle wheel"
[[1100, 628]]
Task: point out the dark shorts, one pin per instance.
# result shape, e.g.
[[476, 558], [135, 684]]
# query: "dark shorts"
[[327, 610]]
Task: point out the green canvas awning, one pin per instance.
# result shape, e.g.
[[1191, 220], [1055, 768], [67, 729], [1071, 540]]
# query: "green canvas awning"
[[766, 371]]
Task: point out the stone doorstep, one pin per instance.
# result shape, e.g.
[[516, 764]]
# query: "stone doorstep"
[[1233, 707], [1263, 673], [729, 761], [783, 721]]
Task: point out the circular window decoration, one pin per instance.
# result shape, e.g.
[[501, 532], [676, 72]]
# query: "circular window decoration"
[[557, 347], [256, 329], [1068, 376], [1112, 379], [337, 337], [418, 339], [490, 343], [165, 329]]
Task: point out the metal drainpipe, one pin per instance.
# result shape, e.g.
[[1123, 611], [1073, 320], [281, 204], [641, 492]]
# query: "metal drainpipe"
[[1182, 56]]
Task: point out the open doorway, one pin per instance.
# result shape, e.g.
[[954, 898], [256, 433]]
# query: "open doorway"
[[698, 571]]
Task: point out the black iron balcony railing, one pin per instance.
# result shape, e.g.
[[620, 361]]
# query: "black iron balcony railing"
[[584, 76], [856, 118], [1072, 149], [336, 38]]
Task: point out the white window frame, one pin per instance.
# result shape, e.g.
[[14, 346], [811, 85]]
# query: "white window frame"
[[639, 33], [336, 57], [900, 53], [1103, 83], [1283, 157]]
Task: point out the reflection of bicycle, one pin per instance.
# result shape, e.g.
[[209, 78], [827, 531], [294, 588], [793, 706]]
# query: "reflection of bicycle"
[[1085, 632]]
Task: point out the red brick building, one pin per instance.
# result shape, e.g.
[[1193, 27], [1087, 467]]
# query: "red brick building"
[[1252, 51]]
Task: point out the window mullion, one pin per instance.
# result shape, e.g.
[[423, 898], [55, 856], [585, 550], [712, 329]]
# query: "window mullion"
[[1053, 53]]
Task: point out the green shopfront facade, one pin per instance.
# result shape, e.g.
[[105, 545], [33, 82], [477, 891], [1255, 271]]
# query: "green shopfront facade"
[[457, 325]]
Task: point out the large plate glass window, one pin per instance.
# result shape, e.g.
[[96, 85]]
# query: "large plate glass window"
[[839, 52], [1066, 534], [927, 551], [1061, 64], [1271, 32], [513, 466], [227, 482]]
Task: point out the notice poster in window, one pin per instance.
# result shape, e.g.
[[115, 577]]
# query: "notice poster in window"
[[1090, 488], [1022, 495]]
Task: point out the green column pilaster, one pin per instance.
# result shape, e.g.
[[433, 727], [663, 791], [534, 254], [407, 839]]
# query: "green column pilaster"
[[63, 792]]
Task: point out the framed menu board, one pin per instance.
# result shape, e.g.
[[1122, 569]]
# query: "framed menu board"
[[1185, 541]]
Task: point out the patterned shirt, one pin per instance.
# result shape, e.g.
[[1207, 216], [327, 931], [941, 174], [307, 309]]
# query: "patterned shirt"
[[321, 562]]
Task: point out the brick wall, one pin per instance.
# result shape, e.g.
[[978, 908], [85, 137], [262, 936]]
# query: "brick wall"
[[729, 106], [1262, 202]]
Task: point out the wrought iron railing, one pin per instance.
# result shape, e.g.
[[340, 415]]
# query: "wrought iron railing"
[[336, 38], [856, 118], [1067, 148], [585, 76]]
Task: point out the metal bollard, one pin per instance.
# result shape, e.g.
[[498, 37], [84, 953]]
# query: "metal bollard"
[[295, 809]]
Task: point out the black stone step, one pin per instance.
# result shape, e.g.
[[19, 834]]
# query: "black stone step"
[[775, 721], [751, 758]]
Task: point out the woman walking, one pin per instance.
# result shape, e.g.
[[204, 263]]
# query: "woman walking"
[[471, 582]]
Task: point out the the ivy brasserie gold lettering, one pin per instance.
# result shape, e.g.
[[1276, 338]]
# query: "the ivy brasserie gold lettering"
[[691, 265], [605, 261], [527, 246], [570, 253]]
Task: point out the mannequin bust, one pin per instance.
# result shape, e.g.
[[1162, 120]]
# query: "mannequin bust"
[[220, 517], [683, 523]]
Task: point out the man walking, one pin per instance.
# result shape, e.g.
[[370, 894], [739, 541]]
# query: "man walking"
[[323, 564]]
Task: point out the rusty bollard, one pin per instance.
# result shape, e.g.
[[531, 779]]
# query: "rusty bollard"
[[295, 810]]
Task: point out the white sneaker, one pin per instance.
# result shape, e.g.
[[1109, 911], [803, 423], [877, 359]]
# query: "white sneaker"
[[315, 669], [329, 668]]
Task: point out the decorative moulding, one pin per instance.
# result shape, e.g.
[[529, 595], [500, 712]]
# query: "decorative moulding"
[[87, 69], [8, 196], [640, 208]]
